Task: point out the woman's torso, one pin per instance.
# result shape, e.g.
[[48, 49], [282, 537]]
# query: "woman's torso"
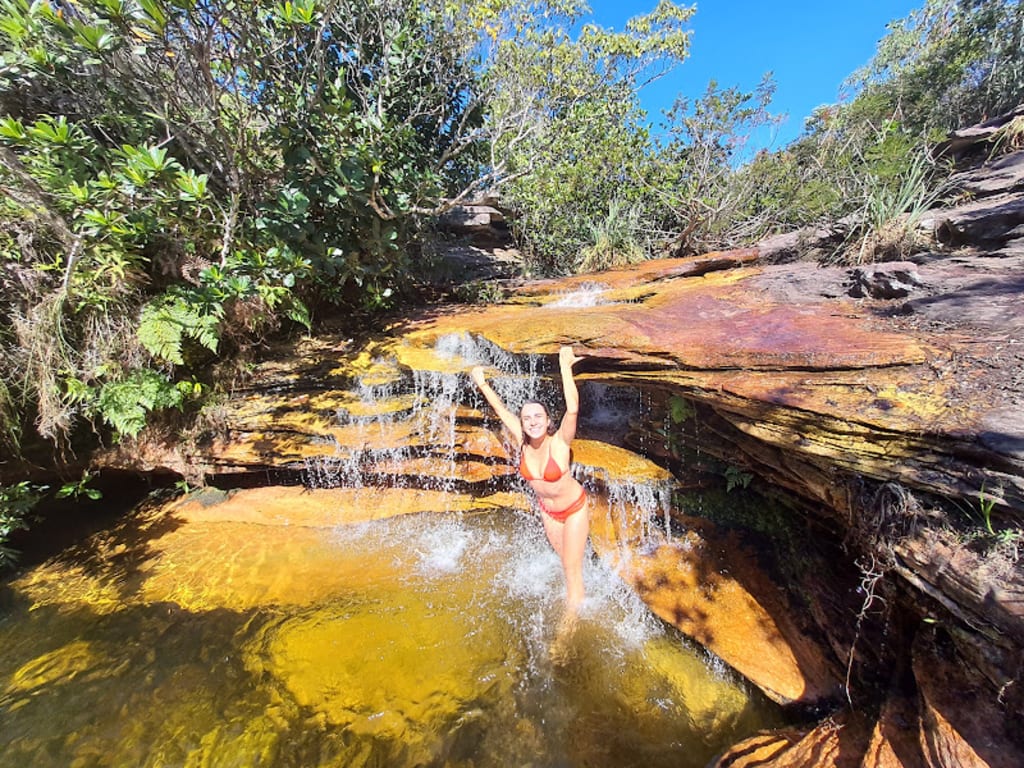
[[539, 465]]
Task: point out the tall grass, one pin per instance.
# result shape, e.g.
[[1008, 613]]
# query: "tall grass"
[[890, 213], [616, 240]]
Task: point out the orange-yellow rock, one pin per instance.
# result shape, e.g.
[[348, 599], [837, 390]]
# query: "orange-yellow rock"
[[709, 589]]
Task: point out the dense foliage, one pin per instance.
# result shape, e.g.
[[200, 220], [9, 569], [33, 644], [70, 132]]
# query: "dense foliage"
[[576, 168], [184, 175]]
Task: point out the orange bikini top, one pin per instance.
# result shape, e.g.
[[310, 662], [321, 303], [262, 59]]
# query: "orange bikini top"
[[552, 471]]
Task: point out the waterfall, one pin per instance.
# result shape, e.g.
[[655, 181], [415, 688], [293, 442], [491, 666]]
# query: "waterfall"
[[403, 429], [431, 637]]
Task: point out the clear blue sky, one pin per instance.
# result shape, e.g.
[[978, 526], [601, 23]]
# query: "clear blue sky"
[[810, 46]]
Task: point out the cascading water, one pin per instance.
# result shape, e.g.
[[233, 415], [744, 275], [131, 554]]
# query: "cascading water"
[[216, 631], [587, 295]]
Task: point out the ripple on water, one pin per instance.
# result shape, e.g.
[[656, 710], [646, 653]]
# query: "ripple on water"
[[419, 640]]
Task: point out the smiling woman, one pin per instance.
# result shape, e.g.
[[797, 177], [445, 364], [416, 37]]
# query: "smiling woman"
[[544, 462]]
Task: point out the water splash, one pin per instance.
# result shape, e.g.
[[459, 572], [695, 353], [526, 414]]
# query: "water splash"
[[587, 295], [644, 506], [441, 549], [514, 377], [333, 471], [429, 403], [416, 640]]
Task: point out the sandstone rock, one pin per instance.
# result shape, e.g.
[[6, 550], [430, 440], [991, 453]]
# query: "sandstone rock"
[[977, 137], [710, 589], [469, 217], [761, 751], [894, 741], [962, 725], [809, 244], [330, 507], [839, 742], [984, 223], [979, 593], [1000, 175], [789, 375], [482, 223], [892, 280]]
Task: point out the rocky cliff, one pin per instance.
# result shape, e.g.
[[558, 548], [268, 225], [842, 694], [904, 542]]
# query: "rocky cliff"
[[856, 432]]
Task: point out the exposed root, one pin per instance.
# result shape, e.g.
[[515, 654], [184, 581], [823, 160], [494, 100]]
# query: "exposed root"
[[882, 519], [872, 574]]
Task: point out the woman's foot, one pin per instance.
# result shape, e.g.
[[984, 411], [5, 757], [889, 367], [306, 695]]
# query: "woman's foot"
[[562, 649]]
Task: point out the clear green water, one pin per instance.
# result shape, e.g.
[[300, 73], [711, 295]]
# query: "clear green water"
[[425, 640]]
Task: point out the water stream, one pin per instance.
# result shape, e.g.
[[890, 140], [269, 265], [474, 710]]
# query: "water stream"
[[188, 636]]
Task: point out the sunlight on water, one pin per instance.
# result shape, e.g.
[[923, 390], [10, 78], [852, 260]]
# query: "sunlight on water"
[[256, 630], [426, 639]]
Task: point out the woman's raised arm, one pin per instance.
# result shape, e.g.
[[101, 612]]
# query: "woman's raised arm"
[[509, 419], [566, 360]]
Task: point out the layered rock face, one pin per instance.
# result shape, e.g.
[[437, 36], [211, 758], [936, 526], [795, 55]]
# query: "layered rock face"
[[878, 401], [787, 378], [400, 420]]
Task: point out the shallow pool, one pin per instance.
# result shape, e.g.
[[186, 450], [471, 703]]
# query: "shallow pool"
[[421, 640]]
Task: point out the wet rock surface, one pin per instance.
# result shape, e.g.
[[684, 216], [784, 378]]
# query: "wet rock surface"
[[794, 381], [828, 382]]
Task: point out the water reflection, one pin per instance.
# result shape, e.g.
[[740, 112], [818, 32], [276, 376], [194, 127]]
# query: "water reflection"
[[429, 639]]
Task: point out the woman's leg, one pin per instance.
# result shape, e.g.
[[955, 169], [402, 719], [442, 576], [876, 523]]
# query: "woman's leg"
[[574, 547], [569, 540], [555, 532]]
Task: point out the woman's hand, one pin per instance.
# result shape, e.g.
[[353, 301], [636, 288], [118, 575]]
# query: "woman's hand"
[[477, 375], [567, 357]]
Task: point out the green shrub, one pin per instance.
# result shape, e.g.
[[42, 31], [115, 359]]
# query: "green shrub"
[[16, 504]]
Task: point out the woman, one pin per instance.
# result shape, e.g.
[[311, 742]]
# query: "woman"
[[544, 462]]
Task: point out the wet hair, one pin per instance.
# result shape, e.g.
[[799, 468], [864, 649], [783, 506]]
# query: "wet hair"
[[551, 422]]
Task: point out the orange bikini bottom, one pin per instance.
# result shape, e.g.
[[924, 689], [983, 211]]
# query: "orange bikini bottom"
[[561, 515]]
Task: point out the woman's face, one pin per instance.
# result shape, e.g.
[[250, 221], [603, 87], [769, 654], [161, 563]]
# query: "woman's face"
[[535, 420]]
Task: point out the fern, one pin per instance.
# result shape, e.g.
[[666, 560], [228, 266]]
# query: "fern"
[[125, 404], [160, 335], [16, 504], [167, 322]]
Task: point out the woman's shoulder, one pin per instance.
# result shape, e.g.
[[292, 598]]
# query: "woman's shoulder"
[[559, 441]]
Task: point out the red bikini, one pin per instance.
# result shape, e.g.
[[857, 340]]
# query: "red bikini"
[[553, 472]]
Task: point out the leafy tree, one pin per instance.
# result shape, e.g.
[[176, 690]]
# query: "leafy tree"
[[947, 64], [182, 174], [701, 186], [862, 163], [568, 137]]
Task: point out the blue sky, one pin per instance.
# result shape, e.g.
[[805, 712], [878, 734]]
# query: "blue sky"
[[810, 46]]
